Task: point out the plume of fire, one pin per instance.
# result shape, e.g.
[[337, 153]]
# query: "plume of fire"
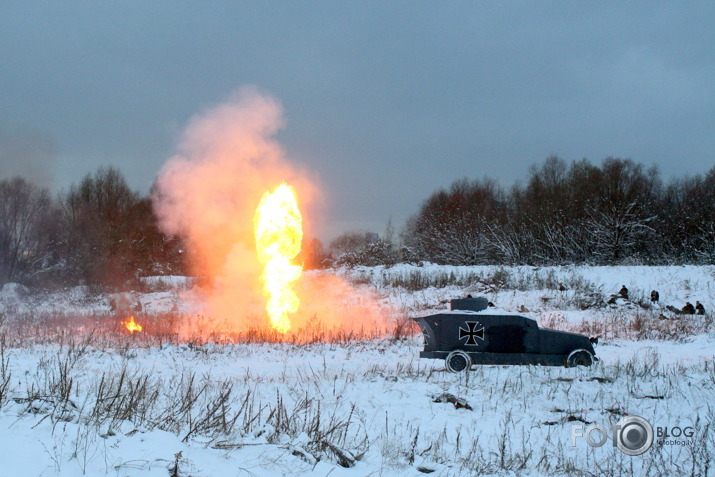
[[132, 325], [278, 227], [208, 194]]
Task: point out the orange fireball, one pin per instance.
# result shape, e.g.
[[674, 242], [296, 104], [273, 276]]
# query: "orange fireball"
[[132, 325], [278, 226]]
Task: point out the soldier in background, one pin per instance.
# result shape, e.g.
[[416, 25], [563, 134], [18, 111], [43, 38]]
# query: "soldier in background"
[[654, 296], [688, 309], [623, 293], [699, 308]]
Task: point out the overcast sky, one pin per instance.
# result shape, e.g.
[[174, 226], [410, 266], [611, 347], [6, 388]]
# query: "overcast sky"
[[387, 101]]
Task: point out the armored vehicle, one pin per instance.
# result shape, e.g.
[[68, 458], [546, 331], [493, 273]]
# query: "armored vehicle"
[[468, 334]]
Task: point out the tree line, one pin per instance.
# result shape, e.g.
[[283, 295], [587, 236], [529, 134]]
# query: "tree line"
[[101, 233], [97, 233], [616, 212]]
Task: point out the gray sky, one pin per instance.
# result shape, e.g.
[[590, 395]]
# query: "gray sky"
[[387, 101]]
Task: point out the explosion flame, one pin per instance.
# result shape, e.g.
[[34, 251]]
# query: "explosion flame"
[[131, 325], [278, 227], [227, 158]]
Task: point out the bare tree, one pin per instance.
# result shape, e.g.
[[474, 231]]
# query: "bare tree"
[[687, 225], [455, 226], [616, 233], [620, 220], [101, 218], [348, 242], [24, 239], [314, 255]]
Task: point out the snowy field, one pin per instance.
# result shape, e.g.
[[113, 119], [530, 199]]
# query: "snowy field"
[[75, 402]]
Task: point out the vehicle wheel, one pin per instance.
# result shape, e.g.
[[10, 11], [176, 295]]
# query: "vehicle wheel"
[[458, 361], [579, 357]]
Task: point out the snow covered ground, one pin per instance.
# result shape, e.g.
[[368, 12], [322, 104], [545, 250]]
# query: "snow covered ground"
[[74, 403]]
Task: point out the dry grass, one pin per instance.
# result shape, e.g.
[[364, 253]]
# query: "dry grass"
[[301, 419], [639, 325], [107, 331]]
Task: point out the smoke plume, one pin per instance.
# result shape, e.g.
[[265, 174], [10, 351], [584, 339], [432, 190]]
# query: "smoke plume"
[[208, 193], [27, 153]]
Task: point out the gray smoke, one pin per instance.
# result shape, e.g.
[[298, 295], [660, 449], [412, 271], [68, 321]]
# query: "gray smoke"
[[27, 153]]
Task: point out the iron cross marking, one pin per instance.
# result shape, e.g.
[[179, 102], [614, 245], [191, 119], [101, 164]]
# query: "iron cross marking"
[[475, 330]]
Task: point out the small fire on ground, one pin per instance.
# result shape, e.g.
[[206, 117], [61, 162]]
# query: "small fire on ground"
[[132, 325]]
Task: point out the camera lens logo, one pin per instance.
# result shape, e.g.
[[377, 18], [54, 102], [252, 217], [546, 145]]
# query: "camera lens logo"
[[634, 435]]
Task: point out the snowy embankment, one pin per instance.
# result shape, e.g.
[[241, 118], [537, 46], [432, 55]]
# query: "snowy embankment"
[[533, 287], [86, 405]]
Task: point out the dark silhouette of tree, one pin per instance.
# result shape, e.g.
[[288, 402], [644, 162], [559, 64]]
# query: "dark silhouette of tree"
[[359, 248], [687, 224], [455, 226], [314, 256], [100, 232], [619, 220], [25, 233], [615, 212], [110, 233]]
